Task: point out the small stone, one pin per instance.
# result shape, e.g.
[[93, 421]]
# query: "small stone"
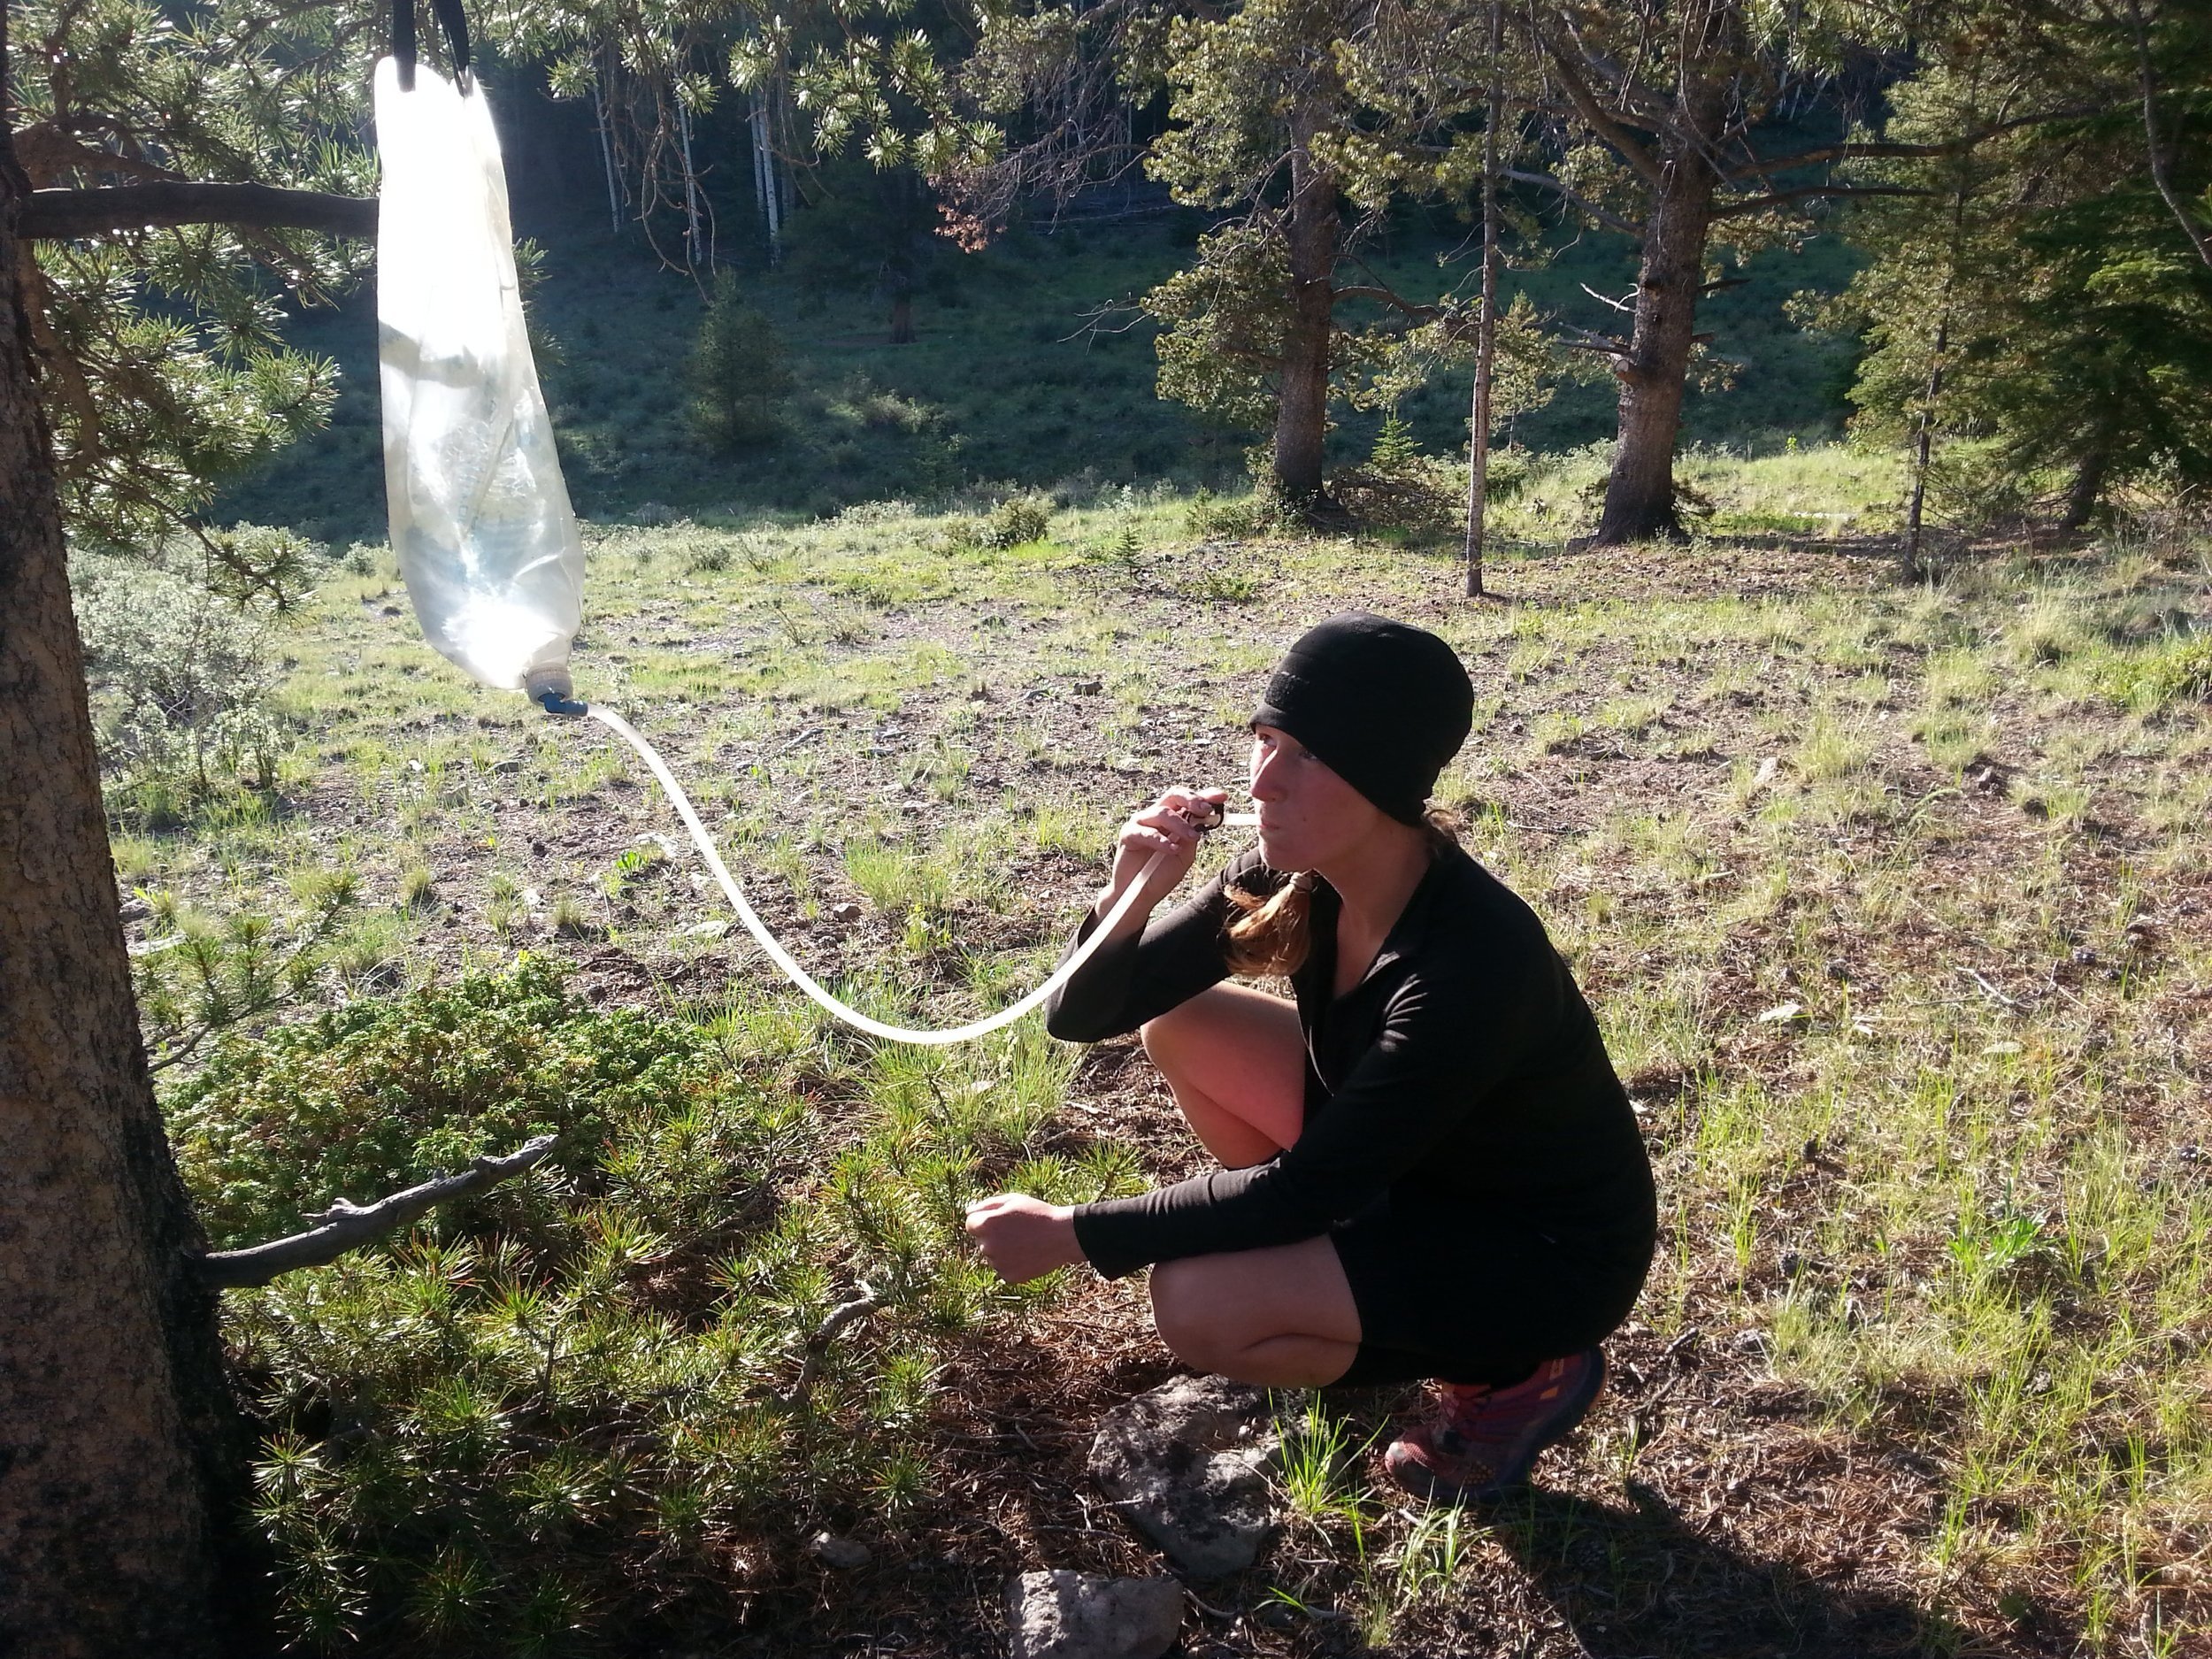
[[507, 768], [1782, 1013], [1088, 688], [713, 927], [1185, 1464], [845, 915], [839, 1554], [537, 849], [1063, 1615]]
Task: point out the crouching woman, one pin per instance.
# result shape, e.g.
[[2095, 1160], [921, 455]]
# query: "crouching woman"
[[1428, 1168]]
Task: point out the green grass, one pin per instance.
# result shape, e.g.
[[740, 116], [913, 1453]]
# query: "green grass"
[[1928, 1320]]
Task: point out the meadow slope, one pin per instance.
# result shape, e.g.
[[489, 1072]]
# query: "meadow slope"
[[1894, 903]]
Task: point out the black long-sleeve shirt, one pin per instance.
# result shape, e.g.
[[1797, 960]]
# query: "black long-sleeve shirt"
[[1464, 1069]]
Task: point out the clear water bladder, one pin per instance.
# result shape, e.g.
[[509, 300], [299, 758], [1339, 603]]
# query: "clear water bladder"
[[480, 518]]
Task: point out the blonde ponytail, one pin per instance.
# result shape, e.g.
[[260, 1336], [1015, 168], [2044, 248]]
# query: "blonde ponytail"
[[1274, 932], [1272, 935]]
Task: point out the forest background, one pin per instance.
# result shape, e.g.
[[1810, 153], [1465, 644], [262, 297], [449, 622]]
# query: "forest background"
[[923, 374]]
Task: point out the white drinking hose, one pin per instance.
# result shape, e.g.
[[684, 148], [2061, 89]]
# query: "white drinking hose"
[[805, 981]]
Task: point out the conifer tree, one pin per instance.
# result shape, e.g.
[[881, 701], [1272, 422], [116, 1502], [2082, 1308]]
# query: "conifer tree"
[[2037, 314]]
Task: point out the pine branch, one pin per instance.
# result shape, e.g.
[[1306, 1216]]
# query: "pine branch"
[[64, 215], [1603, 215], [1390, 298], [1805, 192], [348, 1226], [1759, 166], [1765, 166], [2161, 159], [1602, 121], [818, 1344]]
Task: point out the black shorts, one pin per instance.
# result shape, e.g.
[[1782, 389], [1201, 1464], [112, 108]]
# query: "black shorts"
[[1452, 1294]]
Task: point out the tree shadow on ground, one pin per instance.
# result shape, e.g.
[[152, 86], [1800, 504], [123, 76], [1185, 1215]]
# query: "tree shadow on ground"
[[1647, 1583]]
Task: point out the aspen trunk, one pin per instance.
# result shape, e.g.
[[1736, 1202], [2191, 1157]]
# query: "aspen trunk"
[[119, 1471], [1487, 339]]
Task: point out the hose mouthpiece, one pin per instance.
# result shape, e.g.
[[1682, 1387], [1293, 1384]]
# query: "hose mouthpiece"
[[1206, 815], [554, 703]]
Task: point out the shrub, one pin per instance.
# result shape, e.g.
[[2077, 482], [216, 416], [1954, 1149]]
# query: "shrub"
[[864, 404], [552, 1421], [1260, 513], [376, 1096], [740, 372], [1400, 488], [1017, 523], [2150, 680], [182, 677]]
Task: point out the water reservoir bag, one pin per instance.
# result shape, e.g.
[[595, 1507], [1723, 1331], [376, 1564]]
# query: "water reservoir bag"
[[480, 518]]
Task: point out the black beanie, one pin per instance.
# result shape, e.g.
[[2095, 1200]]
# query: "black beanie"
[[1383, 705]]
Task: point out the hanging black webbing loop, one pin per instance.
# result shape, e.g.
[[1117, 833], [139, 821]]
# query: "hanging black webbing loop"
[[451, 19], [403, 42]]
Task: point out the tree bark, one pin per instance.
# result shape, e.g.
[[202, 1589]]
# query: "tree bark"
[[2087, 488], [63, 215], [1639, 500], [1685, 179], [1487, 339], [120, 1465], [1301, 390]]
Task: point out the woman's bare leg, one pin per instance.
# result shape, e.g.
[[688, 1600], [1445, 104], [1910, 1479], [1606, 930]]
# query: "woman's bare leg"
[[1282, 1317], [1236, 1061]]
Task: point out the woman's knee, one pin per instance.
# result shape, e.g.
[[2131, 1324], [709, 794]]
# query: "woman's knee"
[[1166, 1037], [1188, 1318]]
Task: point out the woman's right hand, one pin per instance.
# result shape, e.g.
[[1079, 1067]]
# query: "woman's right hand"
[[1166, 825]]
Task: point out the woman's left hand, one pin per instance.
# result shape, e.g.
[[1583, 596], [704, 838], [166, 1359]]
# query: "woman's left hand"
[[1023, 1237]]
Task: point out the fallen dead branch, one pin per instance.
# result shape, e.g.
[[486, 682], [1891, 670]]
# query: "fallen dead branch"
[[348, 1226]]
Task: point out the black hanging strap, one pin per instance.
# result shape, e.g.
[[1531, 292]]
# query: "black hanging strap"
[[454, 22], [403, 42], [452, 19]]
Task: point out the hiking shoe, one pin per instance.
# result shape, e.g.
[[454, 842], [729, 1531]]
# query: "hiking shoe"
[[1482, 1441]]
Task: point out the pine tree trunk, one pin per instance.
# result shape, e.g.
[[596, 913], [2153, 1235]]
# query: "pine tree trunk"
[[1302, 411], [117, 1456], [2088, 487], [1639, 502]]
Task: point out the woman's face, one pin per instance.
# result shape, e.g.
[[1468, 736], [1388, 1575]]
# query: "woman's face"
[[1310, 817]]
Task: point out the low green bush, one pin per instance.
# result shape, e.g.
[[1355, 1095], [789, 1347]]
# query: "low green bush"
[[1017, 523], [575, 1415], [2150, 680], [376, 1095], [182, 677]]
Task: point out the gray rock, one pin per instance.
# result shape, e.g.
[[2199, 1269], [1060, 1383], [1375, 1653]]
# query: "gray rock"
[[839, 1554], [1065, 1615], [1186, 1465]]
